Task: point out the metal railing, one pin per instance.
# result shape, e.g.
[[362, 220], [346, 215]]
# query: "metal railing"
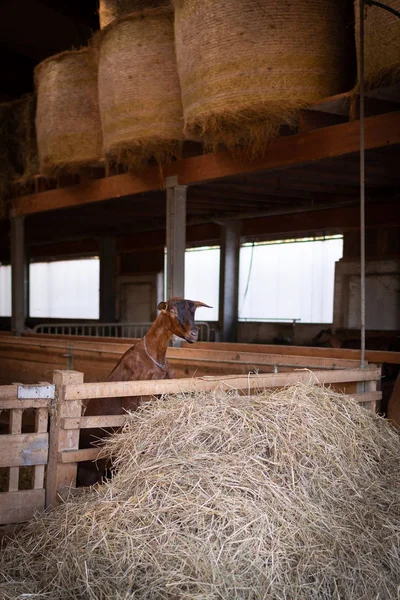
[[117, 330]]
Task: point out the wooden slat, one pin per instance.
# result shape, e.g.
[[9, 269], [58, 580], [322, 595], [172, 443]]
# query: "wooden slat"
[[15, 429], [367, 396], [90, 422], [74, 456], [41, 424], [10, 404], [329, 142], [372, 356], [17, 507], [25, 450], [170, 386], [8, 392], [195, 354]]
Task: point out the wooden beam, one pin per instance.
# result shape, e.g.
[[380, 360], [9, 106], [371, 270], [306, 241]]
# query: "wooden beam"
[[329, 142], [245, 382]]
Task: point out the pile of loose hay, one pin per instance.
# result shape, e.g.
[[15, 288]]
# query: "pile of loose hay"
[[247, 66], [139, 94], [382, 44], [67, 117], [18, 149], [112, 10], [291, 494]]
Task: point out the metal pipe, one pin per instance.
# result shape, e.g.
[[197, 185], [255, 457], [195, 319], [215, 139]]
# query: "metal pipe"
[[362, 184]]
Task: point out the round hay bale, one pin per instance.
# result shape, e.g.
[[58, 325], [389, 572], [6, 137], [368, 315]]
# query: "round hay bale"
[[67, 117], [381, 45], [139, 94], [246, 67], [113, 10], [290, 494]]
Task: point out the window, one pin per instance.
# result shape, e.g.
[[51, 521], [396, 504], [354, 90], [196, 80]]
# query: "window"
[[202, 280], [291, 279], [5, 291], [65, 289]]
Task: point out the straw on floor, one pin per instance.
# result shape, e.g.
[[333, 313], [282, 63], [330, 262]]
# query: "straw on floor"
[[291, 494], [112, 10], [247, 66], [382, 44], [139, 94], [67, 117]]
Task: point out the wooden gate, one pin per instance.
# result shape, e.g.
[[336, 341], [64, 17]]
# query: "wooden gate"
[[23, 453]]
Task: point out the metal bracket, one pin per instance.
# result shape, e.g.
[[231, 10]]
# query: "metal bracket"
[[33, 392]]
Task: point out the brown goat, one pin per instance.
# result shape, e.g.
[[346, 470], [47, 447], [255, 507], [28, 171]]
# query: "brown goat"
[[145, 360]]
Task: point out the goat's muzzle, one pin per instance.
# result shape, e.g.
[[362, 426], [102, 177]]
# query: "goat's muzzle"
[[192, 336]]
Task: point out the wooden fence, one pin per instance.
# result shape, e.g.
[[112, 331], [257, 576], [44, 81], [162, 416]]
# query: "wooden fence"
[[63, 402], [20, 450]]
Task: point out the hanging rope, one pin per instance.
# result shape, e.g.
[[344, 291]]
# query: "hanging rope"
[[362, 164]]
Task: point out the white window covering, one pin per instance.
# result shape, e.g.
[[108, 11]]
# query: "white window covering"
[[65, 289], [5, 291], [289, 280], [202, 280]]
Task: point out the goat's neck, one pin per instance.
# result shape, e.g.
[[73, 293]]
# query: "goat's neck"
[[158, 336]]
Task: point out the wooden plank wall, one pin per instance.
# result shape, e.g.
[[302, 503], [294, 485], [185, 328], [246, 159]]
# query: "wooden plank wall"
[[34, 358]]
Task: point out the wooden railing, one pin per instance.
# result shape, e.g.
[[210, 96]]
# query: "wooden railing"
[[64, 400]]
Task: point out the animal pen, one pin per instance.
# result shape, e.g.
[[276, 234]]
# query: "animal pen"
[[53, 453]]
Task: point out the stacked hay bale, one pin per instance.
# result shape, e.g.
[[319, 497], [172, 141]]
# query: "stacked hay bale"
[[247, 66], [18, 149], [67, 117], [290, 494], [382, 43], [113, 10], [139, 94]]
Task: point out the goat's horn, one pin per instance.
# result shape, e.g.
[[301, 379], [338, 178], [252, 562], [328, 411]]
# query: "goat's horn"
[[199, 304]]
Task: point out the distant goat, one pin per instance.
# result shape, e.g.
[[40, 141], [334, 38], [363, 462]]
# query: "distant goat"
[[145, 360]]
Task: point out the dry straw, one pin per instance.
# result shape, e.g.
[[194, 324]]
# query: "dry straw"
[[248, 66], [139, 94], [67, 118], [382, 44], [18, 150], [292, 494], [113, 10]]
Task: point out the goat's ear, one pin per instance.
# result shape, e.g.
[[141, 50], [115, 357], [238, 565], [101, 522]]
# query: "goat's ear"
[[162, 306], [199, 304]]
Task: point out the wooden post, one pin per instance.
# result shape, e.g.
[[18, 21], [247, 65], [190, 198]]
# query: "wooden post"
[[364, 387], [18, 276], [108, 256], [62, 475], [229, 280], [176, 238]]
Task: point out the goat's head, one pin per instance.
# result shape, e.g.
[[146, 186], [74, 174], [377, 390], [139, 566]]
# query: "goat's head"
[[180, 314]]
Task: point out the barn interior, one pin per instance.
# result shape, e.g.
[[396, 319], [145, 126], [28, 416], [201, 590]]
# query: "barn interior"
[[323, 167]]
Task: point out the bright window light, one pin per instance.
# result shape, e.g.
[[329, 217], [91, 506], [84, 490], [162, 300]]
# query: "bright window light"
[[290, 279], [65, 289], [202, 280], [5, 291]]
